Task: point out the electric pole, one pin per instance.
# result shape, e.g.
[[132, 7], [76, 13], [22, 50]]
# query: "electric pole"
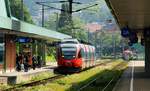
[[70, 11], [22, 11], [57, 16], [43, 16], [70, 6]]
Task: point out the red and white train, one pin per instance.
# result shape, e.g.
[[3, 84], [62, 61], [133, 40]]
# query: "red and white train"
[[74, 56]]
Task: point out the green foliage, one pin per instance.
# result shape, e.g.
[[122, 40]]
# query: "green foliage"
[[52, 21], [42, 76], [4, 86], [51, 58], [66, 30], [65, 17], [17, 12], [51, 54]]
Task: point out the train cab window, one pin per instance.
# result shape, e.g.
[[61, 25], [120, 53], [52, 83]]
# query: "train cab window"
[[68, 52]]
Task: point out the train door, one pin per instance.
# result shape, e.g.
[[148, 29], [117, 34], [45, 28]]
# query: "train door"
[[85, 56], [93, 56], [82, 53]]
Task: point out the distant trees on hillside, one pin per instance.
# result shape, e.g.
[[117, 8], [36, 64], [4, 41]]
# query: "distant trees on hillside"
[[16, 11]]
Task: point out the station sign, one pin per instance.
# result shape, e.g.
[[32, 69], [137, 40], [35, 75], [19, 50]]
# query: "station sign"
[[24, 40], [125, 32]]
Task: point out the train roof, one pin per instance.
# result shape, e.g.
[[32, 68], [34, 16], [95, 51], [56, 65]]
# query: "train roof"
[[74, 41], [70, 40]]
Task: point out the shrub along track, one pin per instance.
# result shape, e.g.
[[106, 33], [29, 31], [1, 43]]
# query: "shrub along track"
[[50, 79], [105, 84]]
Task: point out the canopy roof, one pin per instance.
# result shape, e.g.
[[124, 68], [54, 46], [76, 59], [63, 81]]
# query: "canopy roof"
[[132, 13], [25, 29], [12, 25]]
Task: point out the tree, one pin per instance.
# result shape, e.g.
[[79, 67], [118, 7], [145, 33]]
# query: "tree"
[[51, 22], [65, 17], [77, 29], [16, 11]]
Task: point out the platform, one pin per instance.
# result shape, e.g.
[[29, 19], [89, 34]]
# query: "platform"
[[134, 78], [18, 77]]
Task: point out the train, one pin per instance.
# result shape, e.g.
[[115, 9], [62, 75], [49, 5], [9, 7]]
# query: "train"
[[73, 56]]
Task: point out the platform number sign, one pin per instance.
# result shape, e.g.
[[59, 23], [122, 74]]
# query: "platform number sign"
[[125, 32], [24, 40]]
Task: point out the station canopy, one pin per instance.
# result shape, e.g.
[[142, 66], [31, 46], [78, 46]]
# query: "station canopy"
[[11, 25], [132, 13], [20, 28]]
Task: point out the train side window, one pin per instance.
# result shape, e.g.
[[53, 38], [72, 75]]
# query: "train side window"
[[82, 53]]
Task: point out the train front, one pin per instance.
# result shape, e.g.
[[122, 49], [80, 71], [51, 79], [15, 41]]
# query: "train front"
[[69, 59]]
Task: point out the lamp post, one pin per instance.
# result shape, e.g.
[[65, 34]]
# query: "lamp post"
[[88, 35], [100, 45], [57, 16], [22, 11], [43, 16], [96, 39]]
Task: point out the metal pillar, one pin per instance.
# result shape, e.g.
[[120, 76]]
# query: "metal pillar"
[[34, 48], [44, 52], [147, 54], [41, 51], [22, 11], [100, 44], [57, 16]]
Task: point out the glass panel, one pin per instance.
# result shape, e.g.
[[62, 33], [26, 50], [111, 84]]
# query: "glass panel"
[[2, 49], [68, 53]]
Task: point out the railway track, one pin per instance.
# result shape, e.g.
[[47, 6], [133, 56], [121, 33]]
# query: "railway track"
[[34, 83], [47, 80], [107, 84], [98, 64]]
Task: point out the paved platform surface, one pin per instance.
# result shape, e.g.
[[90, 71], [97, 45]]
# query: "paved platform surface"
[[49, 66], [134, 78], [17, 77]]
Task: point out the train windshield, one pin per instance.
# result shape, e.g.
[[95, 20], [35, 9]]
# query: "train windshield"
[[68, 52]]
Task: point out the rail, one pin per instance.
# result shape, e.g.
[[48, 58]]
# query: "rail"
[[107, 85], [34, 83]]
